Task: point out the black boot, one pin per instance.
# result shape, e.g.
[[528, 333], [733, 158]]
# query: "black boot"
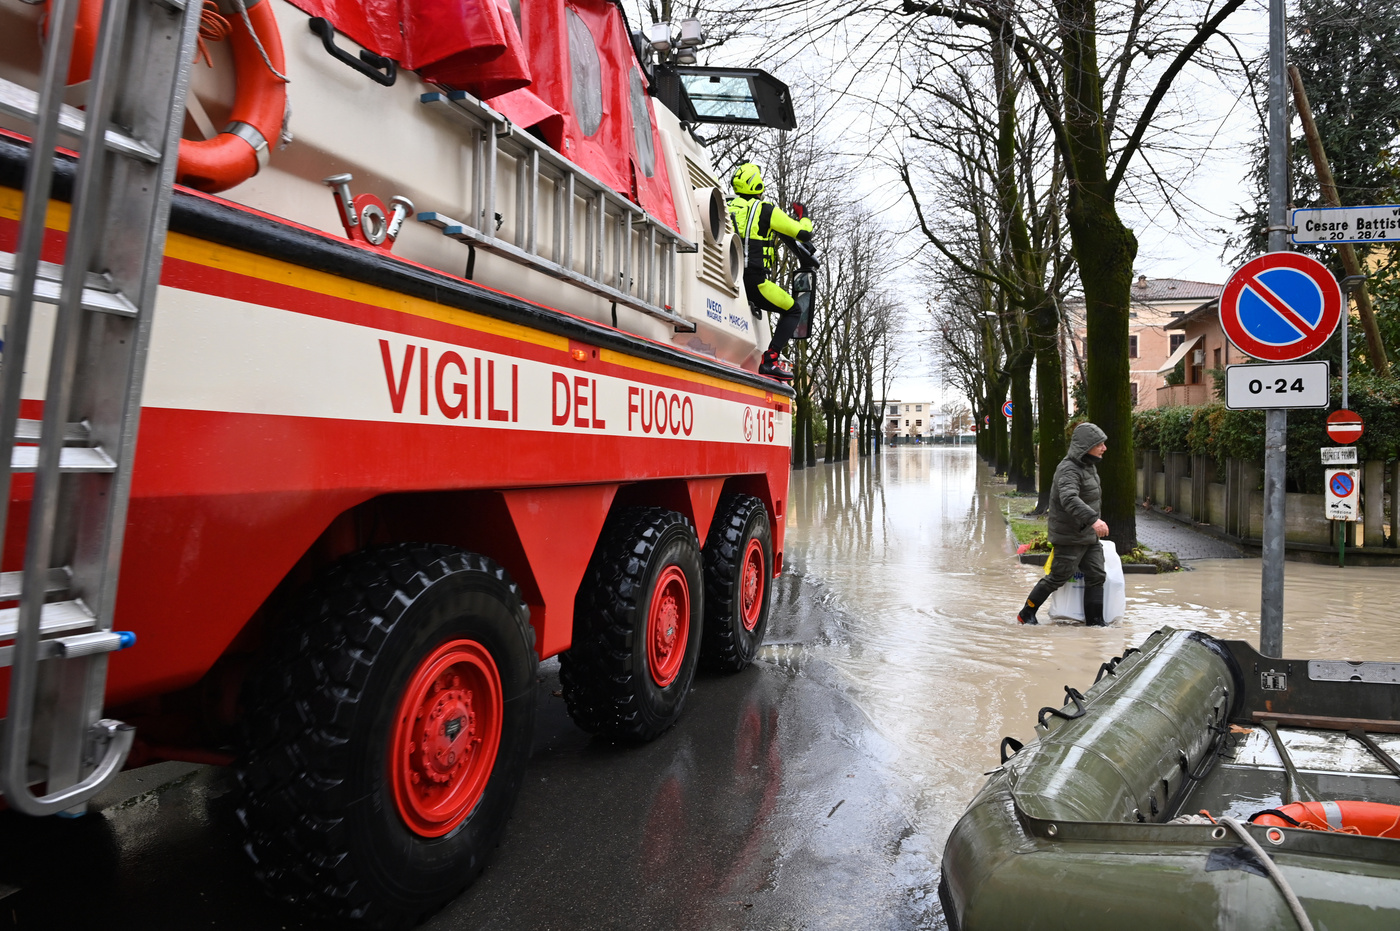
[[774, 367], [1093, 605], [1035, 599]]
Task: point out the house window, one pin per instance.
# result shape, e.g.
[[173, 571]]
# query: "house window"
[[1217, 358], [918, 423], [1175, 342], [1132, 347], [906, 423], [918, 407], [1133, 387]]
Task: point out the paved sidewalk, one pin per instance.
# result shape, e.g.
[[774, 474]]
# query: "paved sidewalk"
[[1164, 534]]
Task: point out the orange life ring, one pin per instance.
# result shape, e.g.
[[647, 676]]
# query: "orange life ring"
[[259, 105], [1372, 819]]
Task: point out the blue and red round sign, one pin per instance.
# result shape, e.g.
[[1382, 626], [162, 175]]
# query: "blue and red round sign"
[[1006, 408], [1281, 306], [1342, 485]]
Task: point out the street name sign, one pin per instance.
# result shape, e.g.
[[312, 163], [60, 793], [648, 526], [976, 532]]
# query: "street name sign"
[[1280, 307], [1341, 494], [1346, 224], [1345, 426], [1006, 408], [1339, 455], [1281, 386]]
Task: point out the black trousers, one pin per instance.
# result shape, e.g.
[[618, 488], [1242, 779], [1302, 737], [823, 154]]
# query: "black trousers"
[[1066, 559]]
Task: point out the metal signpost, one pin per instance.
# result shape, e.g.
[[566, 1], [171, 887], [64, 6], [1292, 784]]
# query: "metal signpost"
[[1276, 419], [1278, 308]]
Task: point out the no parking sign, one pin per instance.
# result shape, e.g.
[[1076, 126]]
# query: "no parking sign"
[[1281, 306], [1342, 495]]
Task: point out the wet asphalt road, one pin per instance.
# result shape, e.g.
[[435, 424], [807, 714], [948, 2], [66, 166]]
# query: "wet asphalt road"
[[766, 807], [814, 791]]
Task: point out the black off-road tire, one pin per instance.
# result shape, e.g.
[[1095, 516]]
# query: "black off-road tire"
[[730, 643], [607, 676], [323, 825]]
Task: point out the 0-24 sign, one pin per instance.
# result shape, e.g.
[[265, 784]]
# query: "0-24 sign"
[[1276, 386]]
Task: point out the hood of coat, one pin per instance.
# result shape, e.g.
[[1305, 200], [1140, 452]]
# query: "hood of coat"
[[1085, 437]]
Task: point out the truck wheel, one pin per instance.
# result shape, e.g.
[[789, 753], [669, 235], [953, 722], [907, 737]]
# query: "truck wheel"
[[738, 583], [385, 743], [636, 627]]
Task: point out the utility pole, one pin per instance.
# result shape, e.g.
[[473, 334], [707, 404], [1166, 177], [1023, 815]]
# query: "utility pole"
[[1275, 421]]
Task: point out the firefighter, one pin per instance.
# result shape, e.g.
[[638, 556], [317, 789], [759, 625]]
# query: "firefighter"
[[758, 223]]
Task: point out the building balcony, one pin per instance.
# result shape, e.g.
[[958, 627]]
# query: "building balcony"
[[1183, 395]]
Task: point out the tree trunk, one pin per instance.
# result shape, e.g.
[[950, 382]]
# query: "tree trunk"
[[1001, 445], [1022, 471], [1049, 387], [1104, 249]]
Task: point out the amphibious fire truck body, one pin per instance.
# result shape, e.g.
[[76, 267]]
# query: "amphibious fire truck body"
[[360, 460]]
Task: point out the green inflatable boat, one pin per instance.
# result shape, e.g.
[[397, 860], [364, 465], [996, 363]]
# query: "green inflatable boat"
[[1131, 808]]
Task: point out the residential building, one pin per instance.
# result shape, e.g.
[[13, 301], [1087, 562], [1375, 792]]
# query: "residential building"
[[911, 421], [1156, 304], [1199, 342]]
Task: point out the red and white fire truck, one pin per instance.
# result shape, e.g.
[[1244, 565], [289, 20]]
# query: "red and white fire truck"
[[358, 355]]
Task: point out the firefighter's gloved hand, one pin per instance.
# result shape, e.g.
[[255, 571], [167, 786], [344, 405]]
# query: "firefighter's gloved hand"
[[804, 236], [804, 229]]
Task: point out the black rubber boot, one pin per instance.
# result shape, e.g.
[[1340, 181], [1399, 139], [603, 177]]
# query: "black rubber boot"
[[1034, 600], [774, 367], [1093, 605]]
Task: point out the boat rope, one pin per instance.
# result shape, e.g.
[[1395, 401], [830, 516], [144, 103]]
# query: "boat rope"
[[1272, 869], [212, 28], [243, 12]]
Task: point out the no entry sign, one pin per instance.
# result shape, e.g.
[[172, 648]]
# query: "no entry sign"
[[1281, 306], [1345, 427]]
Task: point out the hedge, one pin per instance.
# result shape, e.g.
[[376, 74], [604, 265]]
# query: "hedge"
[[1211, 430]]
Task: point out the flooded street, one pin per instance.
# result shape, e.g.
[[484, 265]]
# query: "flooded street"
[[920, 569], [815, 790]]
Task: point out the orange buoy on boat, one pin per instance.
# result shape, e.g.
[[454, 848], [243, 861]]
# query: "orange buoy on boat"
[[1371, 819], [241, 149]]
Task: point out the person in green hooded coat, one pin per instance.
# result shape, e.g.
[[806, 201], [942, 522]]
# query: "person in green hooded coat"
[[1075, 527]]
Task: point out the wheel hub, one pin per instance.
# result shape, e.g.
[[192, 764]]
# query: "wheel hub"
[[751, 585], [668, 626], [449, 732], [445, 738]]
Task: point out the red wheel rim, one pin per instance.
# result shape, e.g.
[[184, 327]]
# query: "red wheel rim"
[[445, 738], [751, 584], [668, 626]]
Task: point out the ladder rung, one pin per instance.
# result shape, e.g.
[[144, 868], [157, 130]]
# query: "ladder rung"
[[56, 617], [55, 581], [454, 229], [74, 434], [48, 284], [18, 100], [70, 459]]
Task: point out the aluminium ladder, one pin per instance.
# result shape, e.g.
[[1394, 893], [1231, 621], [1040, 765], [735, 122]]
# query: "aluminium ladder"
[[57, 640], [643, 270]]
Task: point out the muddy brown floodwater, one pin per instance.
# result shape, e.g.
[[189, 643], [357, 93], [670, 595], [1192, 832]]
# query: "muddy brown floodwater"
[[812, 792], [921, 570]]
